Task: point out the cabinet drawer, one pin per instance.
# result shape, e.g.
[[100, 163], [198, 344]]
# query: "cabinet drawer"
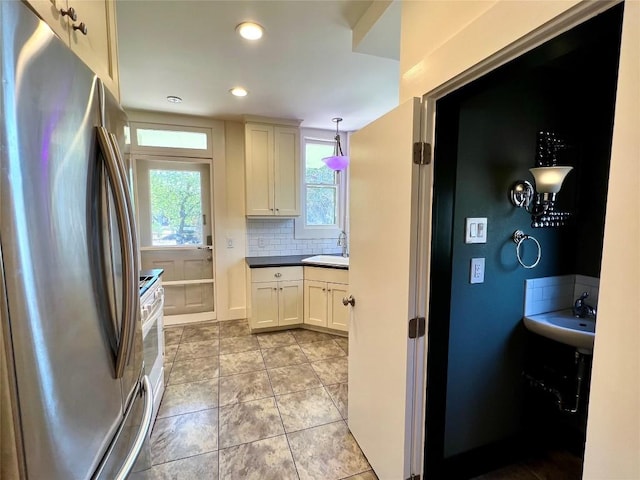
[[271, 274], [335, 275]]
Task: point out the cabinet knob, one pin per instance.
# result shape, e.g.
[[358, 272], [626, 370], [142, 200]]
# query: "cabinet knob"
[[70, 12], [277, 209], [81, 26], [275, 288], [349, 301], [278, 275], [324, 289], [280, 288]]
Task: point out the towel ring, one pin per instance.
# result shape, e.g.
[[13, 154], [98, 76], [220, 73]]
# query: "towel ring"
[[518, 238]]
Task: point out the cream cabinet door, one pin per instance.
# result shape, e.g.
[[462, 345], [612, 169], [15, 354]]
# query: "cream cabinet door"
[[259, 151], [315, 303], [264, 304], [286, 170], [98, 48], [49, 11], [337, 313], [290, 304]]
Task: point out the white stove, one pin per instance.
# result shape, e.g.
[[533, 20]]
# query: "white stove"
[[151, 305]]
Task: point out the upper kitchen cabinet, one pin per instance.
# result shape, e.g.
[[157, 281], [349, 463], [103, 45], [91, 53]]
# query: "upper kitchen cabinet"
[[89, 28], [272, 154]]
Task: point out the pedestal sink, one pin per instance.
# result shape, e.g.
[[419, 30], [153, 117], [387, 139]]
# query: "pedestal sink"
[[563, 327]]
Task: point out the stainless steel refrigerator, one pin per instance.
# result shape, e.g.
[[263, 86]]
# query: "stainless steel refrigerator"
[[74, 401]]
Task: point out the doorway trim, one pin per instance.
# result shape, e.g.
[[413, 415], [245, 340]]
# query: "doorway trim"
[[569, 19]]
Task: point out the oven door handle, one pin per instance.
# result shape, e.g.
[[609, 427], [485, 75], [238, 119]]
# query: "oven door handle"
[[127, 324]]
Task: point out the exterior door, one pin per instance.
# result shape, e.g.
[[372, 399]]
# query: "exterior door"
[[386, 368], [176, 233]]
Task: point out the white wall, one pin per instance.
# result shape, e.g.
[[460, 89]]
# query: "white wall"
[[442, 40]]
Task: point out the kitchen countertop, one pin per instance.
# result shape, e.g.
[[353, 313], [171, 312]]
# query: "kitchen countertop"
[[154, 273], [286, 261]]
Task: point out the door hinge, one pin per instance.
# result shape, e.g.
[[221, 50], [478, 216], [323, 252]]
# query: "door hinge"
[[416, 327], [422, 153], [414, 477]]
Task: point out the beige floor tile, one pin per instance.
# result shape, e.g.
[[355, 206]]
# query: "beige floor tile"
[[268, 459], [275, 339], [334, 456], [200, 333], [306, 409], [370, 475], [322, 350], [293, 379], [185, 435], [339, 393], [194, 370], [332, 370], [308, 336], [172, 335], [249, 421], [170, 353], [191, 350], [238, 344], [189, 397], [343, 342], [242, 362], [234, 328], [200, 467], [244, 387], [283, 356]]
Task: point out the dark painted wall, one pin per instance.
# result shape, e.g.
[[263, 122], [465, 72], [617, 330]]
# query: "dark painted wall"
[[495, 120]]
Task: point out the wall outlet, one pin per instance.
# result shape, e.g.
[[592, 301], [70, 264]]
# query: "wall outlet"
[[476, 273], [261, 242], [229, 242]]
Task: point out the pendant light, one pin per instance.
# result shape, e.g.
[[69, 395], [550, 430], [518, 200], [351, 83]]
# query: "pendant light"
[[338, 161]]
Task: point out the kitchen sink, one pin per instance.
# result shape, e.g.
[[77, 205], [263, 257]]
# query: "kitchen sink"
[[563, 327], [329, 260]]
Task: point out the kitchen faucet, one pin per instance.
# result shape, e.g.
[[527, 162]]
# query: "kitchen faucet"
[[342, 242], [582, 309]]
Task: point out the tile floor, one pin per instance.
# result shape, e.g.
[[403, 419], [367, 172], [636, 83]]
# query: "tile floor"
[[254, 407], [551, 465]]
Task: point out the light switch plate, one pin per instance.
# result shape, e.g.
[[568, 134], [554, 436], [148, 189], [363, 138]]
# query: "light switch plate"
[[476, 272], [475, 230]]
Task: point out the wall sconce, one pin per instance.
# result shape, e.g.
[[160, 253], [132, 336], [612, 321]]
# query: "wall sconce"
[[338, 161], [540, 201]]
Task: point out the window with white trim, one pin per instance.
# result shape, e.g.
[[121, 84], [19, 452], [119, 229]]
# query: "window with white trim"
[[323, 190]]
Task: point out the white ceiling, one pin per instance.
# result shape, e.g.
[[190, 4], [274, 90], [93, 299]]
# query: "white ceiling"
[[303, 68]]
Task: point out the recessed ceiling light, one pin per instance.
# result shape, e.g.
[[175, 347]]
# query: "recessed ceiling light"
[[174, 99], [250, 30], [239, 91]]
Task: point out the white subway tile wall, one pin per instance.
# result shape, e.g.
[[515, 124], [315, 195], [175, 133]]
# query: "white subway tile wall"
[[558, 293], [275, 237]]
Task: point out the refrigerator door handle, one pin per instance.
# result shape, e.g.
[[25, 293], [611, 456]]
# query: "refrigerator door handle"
[[128, 258], [134, 300], [145, 425]]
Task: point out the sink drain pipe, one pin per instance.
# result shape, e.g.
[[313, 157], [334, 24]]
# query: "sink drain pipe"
[[560, 403]]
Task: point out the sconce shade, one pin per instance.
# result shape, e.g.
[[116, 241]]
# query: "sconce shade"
[[336, 162], [549, 179]]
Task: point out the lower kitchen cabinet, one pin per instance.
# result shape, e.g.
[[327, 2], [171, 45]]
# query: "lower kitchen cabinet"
[[276, 297], [324, 290]]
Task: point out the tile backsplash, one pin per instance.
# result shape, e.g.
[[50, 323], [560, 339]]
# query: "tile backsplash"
[[275, 237], [558, 293]]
